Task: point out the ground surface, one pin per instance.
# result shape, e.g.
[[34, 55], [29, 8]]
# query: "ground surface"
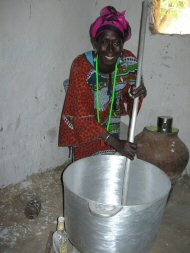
[[20, 235]]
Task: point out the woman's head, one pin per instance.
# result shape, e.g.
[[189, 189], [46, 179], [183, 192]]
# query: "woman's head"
[[108, 34], [109, 47], [111, 19]]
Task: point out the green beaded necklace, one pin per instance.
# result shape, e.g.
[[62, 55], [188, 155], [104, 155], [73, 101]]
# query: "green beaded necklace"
[[97, 94]]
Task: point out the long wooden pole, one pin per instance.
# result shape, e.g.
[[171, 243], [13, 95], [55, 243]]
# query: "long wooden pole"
[[144, 15]]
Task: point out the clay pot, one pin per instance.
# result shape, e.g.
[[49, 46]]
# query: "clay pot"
[[164, 150]]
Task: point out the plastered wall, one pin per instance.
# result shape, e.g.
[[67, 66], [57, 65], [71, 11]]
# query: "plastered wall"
[[38, 41]]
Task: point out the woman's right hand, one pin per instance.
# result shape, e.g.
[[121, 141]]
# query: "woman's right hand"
[[125, 148], [129, 150]]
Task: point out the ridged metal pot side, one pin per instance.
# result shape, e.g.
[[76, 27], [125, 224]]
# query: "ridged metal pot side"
[[95, 219]]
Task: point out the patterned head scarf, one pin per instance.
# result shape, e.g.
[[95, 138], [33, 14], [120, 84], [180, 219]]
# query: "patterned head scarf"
[[111, 19]]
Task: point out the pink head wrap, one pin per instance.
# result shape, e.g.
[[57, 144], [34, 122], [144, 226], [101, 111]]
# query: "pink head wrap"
[[111, 19]]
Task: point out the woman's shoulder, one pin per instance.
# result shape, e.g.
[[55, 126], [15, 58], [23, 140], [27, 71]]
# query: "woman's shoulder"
[[128, 53], [81, 60], [83, 56], [128, 58]]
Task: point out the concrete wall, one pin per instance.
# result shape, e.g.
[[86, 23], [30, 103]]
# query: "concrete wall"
[[38, 41]]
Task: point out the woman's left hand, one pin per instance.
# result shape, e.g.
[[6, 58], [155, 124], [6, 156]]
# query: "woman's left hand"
[[139, 91]]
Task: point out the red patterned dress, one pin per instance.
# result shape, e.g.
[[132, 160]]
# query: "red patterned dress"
[[79, 127]]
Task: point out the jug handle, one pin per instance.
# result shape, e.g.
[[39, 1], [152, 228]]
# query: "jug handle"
[[103, 210]]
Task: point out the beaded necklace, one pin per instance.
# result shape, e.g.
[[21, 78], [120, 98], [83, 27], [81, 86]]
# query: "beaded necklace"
[[113, 94]]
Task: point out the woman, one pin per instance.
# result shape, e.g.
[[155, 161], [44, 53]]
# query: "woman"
[[101, 90]]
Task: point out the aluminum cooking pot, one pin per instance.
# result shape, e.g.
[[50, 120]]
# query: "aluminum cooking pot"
[[95, 219]]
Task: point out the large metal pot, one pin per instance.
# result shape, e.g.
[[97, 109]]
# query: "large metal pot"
[[95, 220]]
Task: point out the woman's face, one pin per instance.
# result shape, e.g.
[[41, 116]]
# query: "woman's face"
[[109, 46]]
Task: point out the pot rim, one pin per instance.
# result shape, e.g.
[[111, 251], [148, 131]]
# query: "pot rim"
[[148, 203]]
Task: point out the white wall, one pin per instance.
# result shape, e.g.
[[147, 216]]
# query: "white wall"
[[38, 41]]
